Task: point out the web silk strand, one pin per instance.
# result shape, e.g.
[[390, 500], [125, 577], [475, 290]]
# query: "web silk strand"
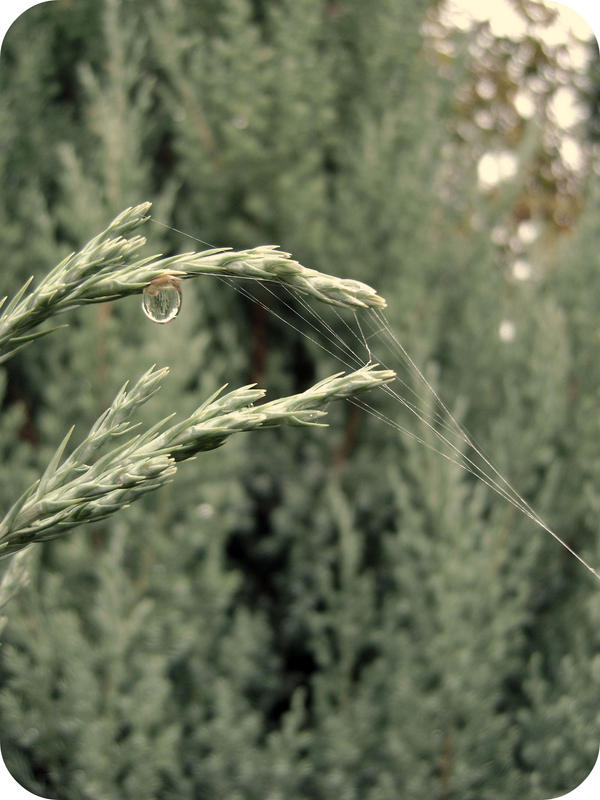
[[351, 359]]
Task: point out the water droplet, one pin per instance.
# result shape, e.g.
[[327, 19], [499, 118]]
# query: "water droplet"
[[161, 299]]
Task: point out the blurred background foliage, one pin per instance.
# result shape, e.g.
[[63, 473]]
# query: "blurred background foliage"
[[336, 613]]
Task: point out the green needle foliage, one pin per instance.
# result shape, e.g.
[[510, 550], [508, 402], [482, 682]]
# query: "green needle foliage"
[[309, 613]]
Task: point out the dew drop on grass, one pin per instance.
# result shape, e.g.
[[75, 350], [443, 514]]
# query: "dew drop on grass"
[[161, 299]]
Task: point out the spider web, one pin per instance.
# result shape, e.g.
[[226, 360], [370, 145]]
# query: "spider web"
[[367, 336]]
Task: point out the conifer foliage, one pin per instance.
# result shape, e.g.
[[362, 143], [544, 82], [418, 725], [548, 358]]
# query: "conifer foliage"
[[307, 612]]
